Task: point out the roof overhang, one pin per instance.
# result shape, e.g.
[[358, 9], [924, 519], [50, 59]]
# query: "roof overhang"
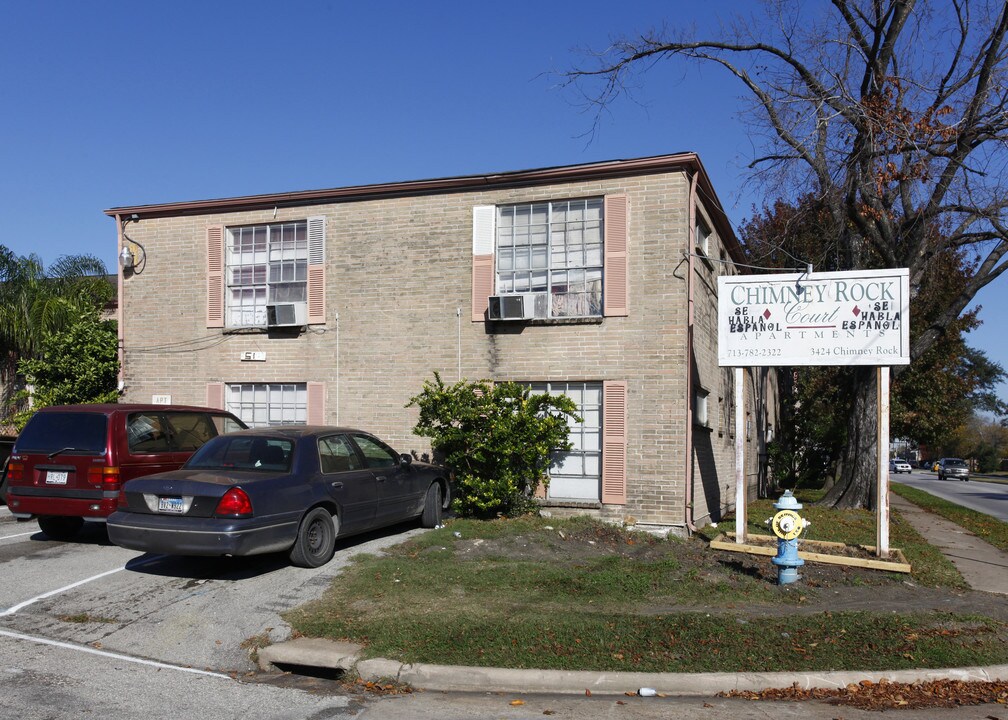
[[682, 162]]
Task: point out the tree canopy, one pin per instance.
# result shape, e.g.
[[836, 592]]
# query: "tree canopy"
[[893, 115], [37, 302]]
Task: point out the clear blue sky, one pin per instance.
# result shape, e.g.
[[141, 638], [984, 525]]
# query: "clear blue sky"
[[111, 103]]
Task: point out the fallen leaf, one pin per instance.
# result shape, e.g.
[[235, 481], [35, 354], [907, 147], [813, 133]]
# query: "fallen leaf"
[[517, 702], [587, 692]]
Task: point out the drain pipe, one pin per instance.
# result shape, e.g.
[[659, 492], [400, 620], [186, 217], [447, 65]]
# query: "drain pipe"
[[120, 302], [688, 465]]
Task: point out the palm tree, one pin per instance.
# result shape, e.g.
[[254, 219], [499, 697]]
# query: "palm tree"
[[35, 301]]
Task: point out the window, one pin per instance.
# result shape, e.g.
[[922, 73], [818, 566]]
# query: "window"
[[337, 455], [190, 431], [701, 415], [265, 264], [703, 234], [265, 404], [145, 434], [577, 475], [376, 453], [553, 248]]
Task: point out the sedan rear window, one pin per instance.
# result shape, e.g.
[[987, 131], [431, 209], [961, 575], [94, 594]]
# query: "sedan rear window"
[[48, 432], [243, 452]]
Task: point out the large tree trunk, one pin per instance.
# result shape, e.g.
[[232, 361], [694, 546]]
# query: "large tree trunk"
[[855, 487]]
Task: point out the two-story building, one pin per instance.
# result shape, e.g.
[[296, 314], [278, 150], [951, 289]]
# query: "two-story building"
[[597, 281]]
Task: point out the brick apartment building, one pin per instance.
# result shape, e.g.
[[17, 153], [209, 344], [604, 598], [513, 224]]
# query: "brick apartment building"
[[333, 306]]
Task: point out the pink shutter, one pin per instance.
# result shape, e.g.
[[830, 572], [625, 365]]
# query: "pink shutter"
[[484, 244], [615, 243], [215, 276], [316, 270], [316, 403], [215, 395], [482, 286], [614, 442]]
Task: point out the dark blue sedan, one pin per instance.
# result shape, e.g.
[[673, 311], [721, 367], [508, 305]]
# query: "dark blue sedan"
[[286, 489]]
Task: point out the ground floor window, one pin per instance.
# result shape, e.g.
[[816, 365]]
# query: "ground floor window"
[[577, 475], [264, 404]]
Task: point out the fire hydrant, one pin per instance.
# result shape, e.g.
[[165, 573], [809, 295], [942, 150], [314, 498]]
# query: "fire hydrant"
[[787, 525]]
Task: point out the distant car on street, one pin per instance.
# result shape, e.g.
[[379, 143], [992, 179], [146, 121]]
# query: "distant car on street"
[[953, 469], [281, 489], [898, 465]]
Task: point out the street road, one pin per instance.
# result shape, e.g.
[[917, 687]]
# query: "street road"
[[986, 497]]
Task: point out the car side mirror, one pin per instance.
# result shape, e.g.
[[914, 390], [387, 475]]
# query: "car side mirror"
[[405, 460]]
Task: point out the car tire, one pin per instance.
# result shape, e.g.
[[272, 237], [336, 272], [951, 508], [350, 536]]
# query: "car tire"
[[316, 539], [431, 516], [60, 528]]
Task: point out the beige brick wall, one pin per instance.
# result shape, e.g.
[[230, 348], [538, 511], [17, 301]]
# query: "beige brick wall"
[[398, 276]]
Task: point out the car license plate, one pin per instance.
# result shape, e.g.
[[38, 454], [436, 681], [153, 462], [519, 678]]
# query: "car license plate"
[[56, 477], [170, 505]]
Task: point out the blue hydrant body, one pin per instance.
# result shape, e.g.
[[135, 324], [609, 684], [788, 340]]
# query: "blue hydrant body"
[[787, 525]]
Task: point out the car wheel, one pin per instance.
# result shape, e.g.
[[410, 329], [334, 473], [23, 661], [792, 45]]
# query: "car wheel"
[[60, 528], [316, 539], [431, 516]]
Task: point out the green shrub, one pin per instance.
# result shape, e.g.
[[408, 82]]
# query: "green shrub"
[[498, 439]]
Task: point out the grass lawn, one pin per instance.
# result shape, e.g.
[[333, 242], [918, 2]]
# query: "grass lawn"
[[577, 594]]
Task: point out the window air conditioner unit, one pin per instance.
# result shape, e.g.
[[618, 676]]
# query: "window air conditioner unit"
[[286, 314], [519, 306]]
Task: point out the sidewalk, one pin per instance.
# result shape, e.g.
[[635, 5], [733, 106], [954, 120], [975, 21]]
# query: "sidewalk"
[[982, 565]]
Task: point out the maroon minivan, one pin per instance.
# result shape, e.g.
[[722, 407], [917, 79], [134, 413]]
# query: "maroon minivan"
[[70, 461]]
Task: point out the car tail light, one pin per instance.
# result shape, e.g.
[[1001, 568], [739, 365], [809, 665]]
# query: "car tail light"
[[122, 503], [104, 475], [15, 471], [235, 503]]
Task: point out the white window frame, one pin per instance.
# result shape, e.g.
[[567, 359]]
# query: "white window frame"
[[264, 264], [703, 236], [701, 409], [543, 255], [268, 404], [585, 436]]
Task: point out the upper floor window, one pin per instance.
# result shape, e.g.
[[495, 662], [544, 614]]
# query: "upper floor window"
[[703, 235], [553, 248], [265, 264]]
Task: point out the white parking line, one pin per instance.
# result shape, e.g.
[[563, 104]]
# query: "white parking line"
[[8, 537], [114, 656], [71, 586]]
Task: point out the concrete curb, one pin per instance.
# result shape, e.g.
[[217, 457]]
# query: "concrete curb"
[[313, 652]]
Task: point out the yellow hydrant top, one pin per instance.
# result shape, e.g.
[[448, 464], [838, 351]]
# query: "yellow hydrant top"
[[787, 524]]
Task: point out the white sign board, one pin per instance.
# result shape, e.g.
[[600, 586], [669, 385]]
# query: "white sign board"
[[860, 317], [160, 399]]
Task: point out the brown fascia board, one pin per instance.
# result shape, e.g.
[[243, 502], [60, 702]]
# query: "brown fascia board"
[[689, 162]]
